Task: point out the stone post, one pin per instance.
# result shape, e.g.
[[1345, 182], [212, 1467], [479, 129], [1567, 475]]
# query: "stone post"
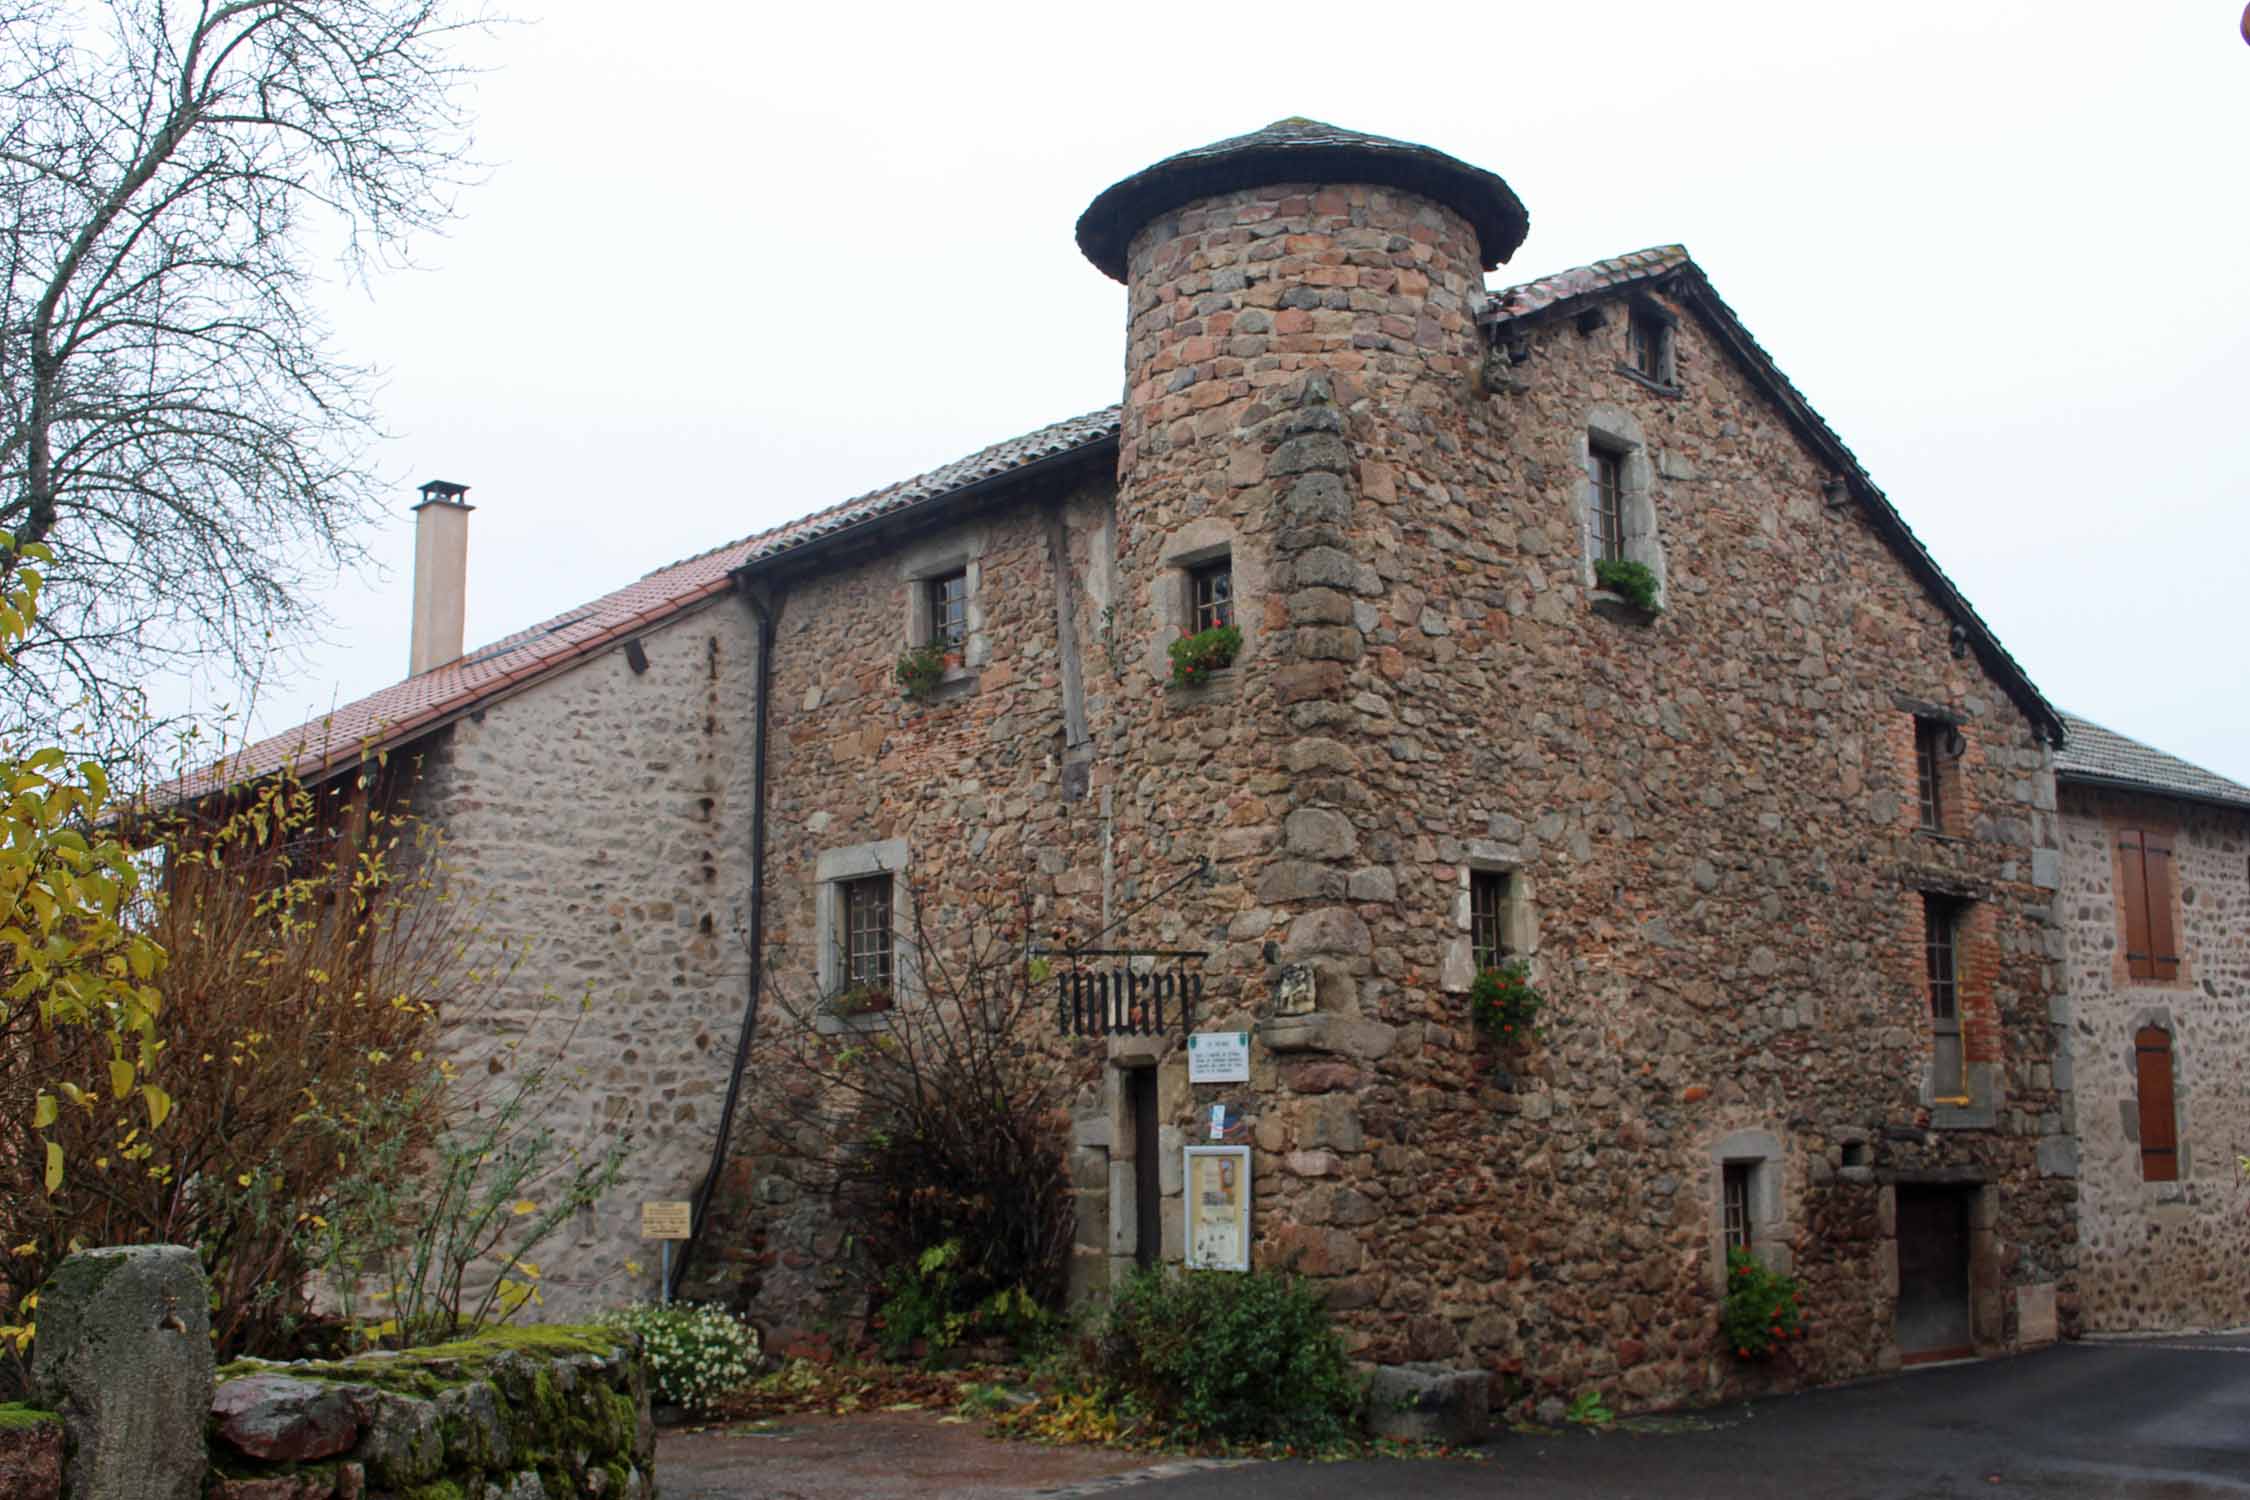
[[124, 1355]]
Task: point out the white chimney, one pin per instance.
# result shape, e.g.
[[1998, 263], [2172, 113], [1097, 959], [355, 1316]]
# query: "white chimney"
[[441, 575]]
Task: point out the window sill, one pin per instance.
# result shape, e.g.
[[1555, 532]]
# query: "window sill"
[[1971, 1116], [1660, 387], [1619, 608], [852, 1023], [957, 683], [1219, 686], [1938, 836]]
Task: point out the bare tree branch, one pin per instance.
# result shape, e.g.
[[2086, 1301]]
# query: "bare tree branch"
[[176, 424]]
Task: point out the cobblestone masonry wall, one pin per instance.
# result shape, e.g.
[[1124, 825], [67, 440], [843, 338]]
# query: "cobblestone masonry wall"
[[600, 819], [2161, 1255], [1710, 818], [1714, 813], [983, 787]]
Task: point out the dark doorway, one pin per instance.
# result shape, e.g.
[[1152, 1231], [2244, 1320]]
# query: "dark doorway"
[[1933, 1273], [1148, 1222]]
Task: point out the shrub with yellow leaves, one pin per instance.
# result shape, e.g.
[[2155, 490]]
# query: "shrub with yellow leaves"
[[312, 951]]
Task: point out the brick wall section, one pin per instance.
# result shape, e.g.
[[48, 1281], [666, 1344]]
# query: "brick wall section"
[[599, 820], [2161, 1255]]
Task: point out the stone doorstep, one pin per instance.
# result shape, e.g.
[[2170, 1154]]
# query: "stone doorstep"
[[1430, 1404]]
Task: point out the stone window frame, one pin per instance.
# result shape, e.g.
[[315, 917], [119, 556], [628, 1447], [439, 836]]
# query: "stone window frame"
[[1519, 915], [1616, 430], [2120, 962], [1977, 1106], [1170, 595], [833, 869], [1957, 808], [1643, 313], [924, 564], [1761, 1152], [2160, 1018]]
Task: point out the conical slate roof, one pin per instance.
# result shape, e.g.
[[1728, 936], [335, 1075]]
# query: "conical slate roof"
[[1301, 150]]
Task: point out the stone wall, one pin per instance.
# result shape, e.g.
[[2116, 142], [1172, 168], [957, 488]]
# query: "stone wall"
[[523, 1414], [1711, 811], [31, 1453], [2161, 1255], [989, 797], [599, 823], [1709, 817]]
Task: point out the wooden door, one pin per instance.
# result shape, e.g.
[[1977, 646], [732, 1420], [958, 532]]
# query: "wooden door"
[[1933, 1273], [1148, 1202]]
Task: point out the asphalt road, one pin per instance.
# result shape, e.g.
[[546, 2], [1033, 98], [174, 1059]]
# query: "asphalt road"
[[2165, 1419]]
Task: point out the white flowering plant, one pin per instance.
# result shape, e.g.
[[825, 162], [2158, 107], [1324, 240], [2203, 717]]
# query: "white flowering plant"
[[696, 1351]]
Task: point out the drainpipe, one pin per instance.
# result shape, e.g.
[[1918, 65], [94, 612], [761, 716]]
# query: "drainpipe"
[[703, 1194]]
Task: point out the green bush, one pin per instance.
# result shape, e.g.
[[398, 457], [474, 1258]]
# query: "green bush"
[[920, 670], [1197, 656], [1503, 1003], [1764, 1309], [926, 1302], [695, 1352], [1631, 581], [1229, 1356]]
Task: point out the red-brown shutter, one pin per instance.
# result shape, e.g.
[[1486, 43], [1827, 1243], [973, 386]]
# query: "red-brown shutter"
[[2160, 1141], [2163, 938], [2132, 894]]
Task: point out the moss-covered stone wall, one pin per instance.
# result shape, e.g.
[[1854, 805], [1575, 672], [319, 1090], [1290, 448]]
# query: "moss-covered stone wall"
[[536, 1413]]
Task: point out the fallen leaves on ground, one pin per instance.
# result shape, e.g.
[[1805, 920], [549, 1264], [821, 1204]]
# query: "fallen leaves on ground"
[[1013, 1407], [804, 1387]]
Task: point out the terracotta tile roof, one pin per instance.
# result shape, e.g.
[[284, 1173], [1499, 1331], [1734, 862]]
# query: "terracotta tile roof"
[[1529, 297], [2103, 757], [1532, 299], [406, 709]]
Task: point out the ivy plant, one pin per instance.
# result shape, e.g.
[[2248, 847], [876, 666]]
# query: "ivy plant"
[[1195, 657], [920, 670], [1764, 1308], [1631, 581], [1503, 1002]]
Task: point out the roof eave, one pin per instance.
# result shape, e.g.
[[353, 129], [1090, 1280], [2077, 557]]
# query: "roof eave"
[[1686, 281], [815, 550], [2100, 782]]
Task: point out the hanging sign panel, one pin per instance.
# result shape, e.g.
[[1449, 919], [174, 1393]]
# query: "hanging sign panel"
[[1218, 1208], [1219, 1057]]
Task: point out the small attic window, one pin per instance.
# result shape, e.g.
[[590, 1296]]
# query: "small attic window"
[[1648, 343]]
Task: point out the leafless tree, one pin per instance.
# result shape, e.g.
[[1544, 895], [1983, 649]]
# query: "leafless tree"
[[176, 424]]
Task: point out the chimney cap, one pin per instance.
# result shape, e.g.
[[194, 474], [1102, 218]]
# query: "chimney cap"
[[444, 492], [1301, 150]]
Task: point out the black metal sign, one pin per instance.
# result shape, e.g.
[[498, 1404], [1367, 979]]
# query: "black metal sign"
[[1119, 999]]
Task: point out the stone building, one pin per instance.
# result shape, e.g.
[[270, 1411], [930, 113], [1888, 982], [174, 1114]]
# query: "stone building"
[[2155, 912], [1777, 841]]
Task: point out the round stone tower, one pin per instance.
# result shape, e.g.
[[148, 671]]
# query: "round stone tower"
[[1303, 336], [1303, 333], [1297, 247]]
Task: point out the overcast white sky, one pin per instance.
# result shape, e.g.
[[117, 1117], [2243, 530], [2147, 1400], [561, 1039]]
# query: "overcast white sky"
[[735, 263]]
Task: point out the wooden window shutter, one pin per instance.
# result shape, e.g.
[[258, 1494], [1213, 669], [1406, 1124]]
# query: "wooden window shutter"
[[2132, 894], [2163, 936], [2160, 1140]]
